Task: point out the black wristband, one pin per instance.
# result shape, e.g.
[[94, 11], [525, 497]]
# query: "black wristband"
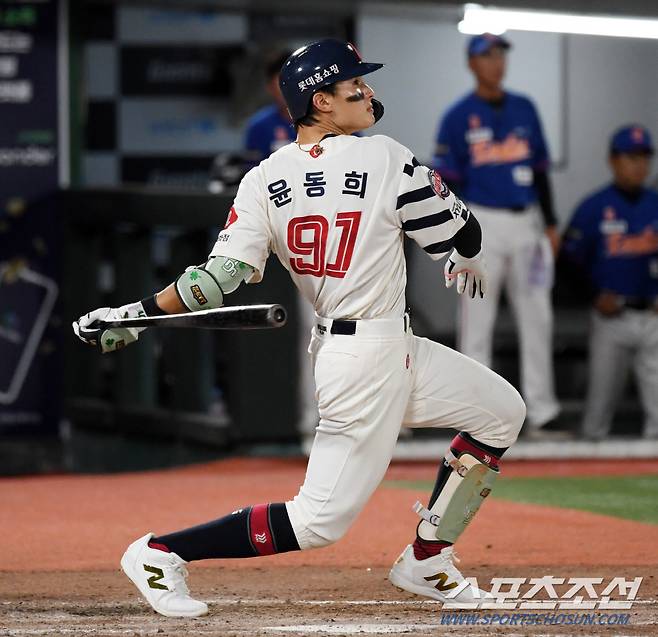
[[151, 307], [468, 240]]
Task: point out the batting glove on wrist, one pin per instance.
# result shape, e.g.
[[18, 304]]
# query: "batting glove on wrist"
[[87, 327], [470, 274]]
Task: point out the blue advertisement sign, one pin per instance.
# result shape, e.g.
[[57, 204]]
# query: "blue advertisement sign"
[[30, 173]]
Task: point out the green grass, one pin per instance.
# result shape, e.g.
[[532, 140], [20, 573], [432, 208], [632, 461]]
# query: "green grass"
[[629, 497]]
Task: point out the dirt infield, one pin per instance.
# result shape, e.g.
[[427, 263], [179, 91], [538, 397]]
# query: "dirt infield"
[[64, 535], [271, 601]]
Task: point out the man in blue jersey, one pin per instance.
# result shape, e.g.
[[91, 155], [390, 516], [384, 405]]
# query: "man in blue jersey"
[[270, 128], [491, 150], [613, 236]]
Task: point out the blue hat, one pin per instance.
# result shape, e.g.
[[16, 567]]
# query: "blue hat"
[[481, 44], [316, 65], [631, 139]]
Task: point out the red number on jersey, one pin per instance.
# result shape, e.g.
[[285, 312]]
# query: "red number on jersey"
[[307, 237], [317, 227]]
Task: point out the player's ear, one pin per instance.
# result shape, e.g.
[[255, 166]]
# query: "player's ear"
[[322, 102]]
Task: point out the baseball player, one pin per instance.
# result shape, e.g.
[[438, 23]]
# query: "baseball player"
[[335, 208], [491, 150], [613, 236]]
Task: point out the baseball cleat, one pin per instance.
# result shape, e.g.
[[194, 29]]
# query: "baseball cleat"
[[160, 578], [434, 577]]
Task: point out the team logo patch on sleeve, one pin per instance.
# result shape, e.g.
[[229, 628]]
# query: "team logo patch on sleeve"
[[438, 185], [232, 217]]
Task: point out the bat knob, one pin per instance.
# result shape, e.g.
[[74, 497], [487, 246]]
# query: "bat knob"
[[279, 315]]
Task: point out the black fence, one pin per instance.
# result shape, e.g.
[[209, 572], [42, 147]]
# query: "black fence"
[[217, 387]]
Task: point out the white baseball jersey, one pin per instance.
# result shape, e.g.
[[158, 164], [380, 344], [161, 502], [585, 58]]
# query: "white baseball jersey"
[[336, 222]]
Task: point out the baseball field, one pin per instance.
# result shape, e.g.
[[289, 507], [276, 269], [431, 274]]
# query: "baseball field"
[[63, 537]]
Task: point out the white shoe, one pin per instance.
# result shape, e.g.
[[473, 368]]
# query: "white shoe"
[[434, 577], [160, 578]]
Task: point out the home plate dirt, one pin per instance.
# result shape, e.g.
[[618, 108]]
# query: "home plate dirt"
[[286, 601]]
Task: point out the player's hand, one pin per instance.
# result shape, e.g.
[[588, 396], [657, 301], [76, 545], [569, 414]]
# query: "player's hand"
[[470, 274], [553, 235], [609, 304], [109, 340]]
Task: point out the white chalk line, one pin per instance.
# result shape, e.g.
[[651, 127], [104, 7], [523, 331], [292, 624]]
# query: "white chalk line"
[[235, 601], [226, 601]]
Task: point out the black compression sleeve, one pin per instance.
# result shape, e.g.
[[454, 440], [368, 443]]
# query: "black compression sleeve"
[[468, 241], [545, 197], [151, 307]]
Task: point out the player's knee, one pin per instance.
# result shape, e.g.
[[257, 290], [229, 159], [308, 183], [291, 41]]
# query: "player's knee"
[[314, 540], [500, 420], [314, 536], [309, 531], [513, 416]]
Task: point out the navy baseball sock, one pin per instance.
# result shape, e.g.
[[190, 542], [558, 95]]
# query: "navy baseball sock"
[[262, 529], [460, 444]]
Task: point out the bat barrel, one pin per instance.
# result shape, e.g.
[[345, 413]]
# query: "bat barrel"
[[243, 317], [251, 317]]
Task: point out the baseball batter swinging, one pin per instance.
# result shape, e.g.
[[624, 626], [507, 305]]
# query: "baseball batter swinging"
[[335, 208]]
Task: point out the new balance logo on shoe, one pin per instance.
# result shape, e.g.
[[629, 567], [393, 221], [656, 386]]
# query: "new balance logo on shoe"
[[160, 578], [441, 583], [154, 580]]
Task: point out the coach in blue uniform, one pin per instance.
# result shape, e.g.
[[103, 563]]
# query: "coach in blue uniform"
[[270, 128], [491, 150], [613, 236]]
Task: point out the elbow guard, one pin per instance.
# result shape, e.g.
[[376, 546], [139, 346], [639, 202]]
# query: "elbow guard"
[[203, 287], [198, 289]]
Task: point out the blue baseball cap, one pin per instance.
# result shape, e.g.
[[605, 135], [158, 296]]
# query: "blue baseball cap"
[[631, 139], [481, 44]]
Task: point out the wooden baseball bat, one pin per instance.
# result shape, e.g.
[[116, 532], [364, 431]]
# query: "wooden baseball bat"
[[236, 317]]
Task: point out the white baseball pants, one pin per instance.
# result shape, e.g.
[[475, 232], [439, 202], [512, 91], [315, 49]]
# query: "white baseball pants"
[[519, 259], [615, 344], [370, 384], [308, 407]]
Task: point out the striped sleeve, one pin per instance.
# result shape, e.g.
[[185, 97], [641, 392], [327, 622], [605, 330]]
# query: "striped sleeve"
[[429, 212]]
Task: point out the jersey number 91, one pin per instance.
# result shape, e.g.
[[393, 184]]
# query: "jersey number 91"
[[307, 237]]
